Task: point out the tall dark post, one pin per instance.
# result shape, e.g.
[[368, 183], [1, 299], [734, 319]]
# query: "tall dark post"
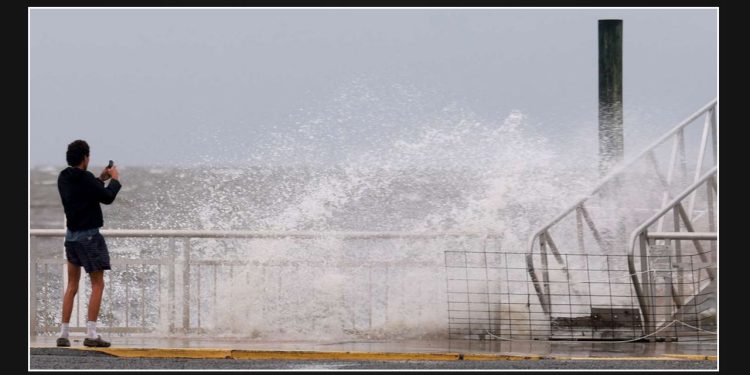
[[610, 94]]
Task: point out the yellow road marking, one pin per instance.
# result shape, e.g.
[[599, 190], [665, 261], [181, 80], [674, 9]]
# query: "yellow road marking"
[[212, 353]]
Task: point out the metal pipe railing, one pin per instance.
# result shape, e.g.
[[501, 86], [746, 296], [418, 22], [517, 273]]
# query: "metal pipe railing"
[[641, 235], [190, 233], [178, 264], [619, 169], [671, 205], [682, 236]]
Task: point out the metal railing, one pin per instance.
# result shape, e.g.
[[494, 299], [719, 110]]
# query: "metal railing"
[[647, 240], [175, 286], [542, 239]]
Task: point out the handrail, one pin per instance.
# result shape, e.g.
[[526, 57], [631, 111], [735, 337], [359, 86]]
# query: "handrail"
[[208, 233], [670, 206], [643, 230], [617, 170], [682, 236], [177, 272]]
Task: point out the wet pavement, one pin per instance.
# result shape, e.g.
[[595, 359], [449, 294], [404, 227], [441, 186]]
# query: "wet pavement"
[[540, 348], [105, 362]]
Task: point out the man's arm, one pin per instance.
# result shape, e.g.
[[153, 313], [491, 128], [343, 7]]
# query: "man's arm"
[[103, 194]]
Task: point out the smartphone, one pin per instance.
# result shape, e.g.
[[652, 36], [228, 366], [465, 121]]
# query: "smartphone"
[[111, 163]]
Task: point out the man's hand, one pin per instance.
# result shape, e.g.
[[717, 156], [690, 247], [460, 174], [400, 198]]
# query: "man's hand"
[[105, 175], [113, 173]]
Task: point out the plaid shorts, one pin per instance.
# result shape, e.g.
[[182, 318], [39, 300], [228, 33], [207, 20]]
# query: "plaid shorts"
[[90, 252]]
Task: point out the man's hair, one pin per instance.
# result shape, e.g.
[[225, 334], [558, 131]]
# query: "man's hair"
[[77, 150]]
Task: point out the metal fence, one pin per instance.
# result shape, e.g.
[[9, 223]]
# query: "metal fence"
[[187, 282]]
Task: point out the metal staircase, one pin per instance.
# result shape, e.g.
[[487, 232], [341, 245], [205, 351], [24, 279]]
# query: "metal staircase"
[[615, 271]]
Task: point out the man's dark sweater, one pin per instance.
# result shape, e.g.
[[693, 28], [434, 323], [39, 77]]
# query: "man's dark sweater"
[[81, 193]]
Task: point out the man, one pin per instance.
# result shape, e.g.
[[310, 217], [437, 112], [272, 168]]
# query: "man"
[[81, 194]]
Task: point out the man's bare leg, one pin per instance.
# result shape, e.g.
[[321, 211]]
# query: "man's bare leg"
[[97, 289], [74, 275]]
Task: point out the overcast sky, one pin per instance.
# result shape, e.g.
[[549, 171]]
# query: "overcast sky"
[[182, 86]]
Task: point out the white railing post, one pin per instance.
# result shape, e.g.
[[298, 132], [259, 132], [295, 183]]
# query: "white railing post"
[[699, 164], [678, 254], [171, 296], [33, 243], [711, 211], [714, 134], [670, 176], [186, 287], [646, 285]]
